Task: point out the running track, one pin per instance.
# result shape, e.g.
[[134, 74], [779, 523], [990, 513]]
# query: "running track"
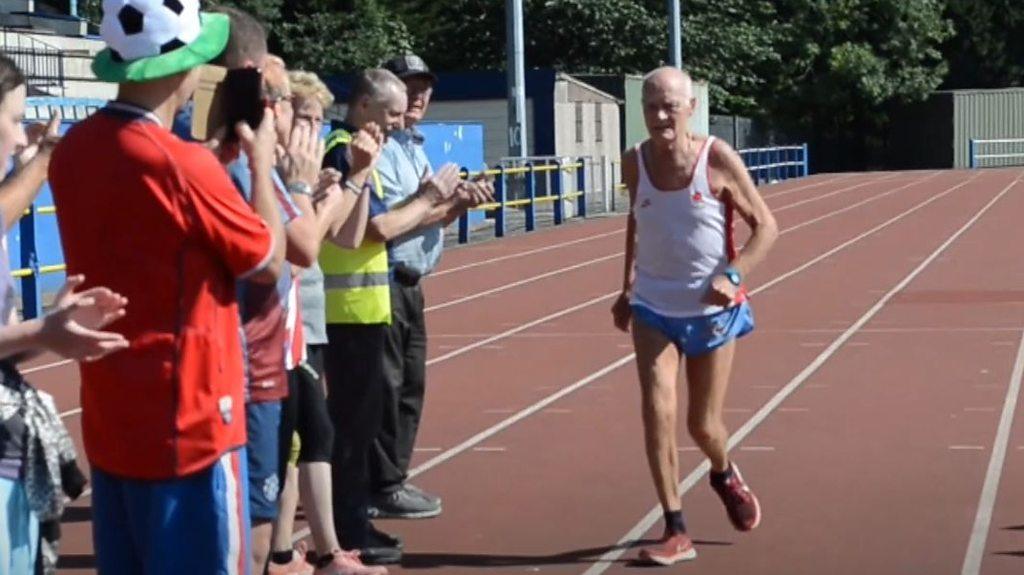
[[875, 410]]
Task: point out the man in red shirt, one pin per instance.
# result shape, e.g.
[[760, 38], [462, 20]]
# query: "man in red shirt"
[[158, 220]]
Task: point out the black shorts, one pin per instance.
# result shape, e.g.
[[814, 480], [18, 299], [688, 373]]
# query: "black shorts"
[[305, 412]]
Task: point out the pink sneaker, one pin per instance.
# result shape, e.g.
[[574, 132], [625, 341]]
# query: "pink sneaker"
[[670, 550], [348, 563], [740, 502], [297, 566]]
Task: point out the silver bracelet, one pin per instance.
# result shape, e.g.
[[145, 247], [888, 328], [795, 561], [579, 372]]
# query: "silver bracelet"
[[352, 187], [299, 187]]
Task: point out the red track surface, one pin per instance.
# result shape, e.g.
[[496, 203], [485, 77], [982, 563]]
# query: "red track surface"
[[866, 407]]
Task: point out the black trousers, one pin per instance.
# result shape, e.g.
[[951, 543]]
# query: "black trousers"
[[405, 370], [355, 383]]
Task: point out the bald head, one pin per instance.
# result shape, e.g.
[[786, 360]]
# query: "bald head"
[[668, 103], [668, 80]]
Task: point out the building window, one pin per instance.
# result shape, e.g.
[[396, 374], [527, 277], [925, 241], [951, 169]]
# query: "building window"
[[579, 122], [598, 123]]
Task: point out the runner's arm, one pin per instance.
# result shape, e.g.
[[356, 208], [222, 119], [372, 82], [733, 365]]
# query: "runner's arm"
[[729, 175], [629, 178], [621, 311]]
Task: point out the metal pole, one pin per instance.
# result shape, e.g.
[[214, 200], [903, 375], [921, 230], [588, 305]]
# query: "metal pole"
[[516, 78], [675, 52]]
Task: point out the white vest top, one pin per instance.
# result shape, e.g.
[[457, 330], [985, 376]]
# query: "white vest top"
[[684, 239]]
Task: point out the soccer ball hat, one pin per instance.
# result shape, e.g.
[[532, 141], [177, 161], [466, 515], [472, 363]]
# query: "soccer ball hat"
[[152, 39]]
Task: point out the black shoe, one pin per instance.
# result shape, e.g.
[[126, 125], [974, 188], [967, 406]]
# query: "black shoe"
[[380, 556], [381, 548], [403, 503], [379, 538]]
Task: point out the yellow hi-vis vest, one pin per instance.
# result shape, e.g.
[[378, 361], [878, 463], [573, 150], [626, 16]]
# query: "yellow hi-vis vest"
[[356, 281]]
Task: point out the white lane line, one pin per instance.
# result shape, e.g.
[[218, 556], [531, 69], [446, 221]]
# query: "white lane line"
[[523, 254], [609, 558], [523, 414], [866, 201], [983, 519], [828, 195], [521, 282], [768, 195], [523, 327], [967, 447], [71, 412], [46, 366], [757, 448]]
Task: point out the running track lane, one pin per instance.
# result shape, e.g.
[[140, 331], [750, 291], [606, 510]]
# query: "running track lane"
[[478, 290], [484, 387], [874, 463], [564, 479]]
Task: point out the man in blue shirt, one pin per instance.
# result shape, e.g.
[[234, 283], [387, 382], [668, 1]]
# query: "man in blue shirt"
[[402, 166]]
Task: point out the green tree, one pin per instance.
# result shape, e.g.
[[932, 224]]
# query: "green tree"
[[333, 41], [730, 43], [266, 11], [457, 35], [845, 61], [330, 36], [988, 48]]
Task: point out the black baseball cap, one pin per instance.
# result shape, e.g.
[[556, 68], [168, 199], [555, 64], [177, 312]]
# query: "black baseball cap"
[[409, 66]]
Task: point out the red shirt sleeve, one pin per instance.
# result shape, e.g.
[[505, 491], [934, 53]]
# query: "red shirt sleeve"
[[224, 218]]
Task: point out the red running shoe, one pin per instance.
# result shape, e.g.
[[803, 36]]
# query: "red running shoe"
[[740, 502], [672, 549]]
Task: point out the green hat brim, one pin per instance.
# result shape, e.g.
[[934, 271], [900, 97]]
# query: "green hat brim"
[[212, 39]]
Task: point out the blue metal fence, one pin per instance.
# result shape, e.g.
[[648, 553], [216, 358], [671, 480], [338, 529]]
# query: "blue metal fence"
[[556, 196], [995, 153], [768, 165]]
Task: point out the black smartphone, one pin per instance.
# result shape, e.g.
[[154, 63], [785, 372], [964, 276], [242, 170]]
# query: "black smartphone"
[[243, 98]]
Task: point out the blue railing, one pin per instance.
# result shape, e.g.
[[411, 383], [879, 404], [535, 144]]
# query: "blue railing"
[[995, 153], [775, 164], [556, 194]]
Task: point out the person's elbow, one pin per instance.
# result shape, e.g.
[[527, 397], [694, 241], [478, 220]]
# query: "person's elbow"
[[353, 240], [270, 270], [377, 230], [303, 251], [767, 227], [348, 243], [303, 244]]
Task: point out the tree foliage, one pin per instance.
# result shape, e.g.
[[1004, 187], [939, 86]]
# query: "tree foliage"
[[988, 48]]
